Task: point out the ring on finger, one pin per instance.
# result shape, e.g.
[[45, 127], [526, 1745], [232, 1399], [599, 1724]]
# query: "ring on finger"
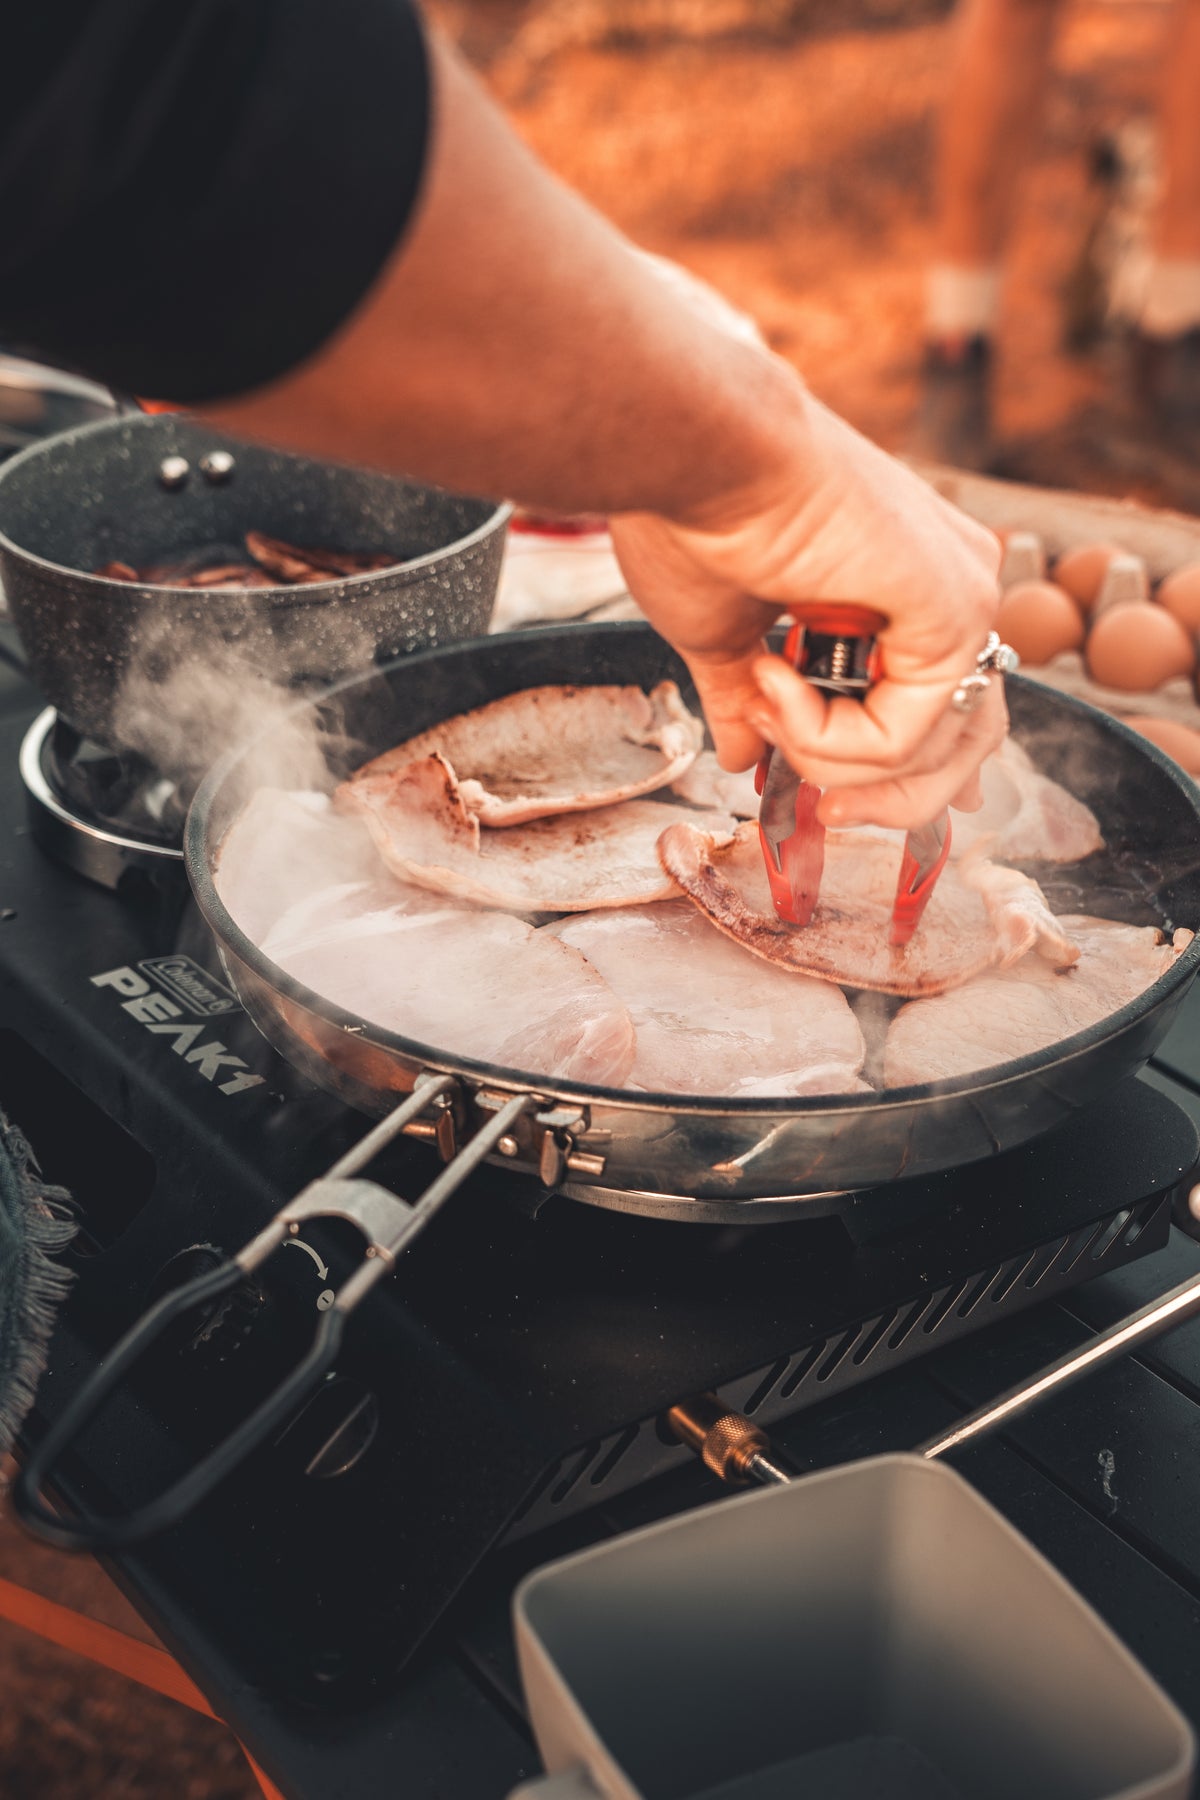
[[995, 658]]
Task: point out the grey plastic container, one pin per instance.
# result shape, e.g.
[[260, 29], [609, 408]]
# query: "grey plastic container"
[[875, 1632]]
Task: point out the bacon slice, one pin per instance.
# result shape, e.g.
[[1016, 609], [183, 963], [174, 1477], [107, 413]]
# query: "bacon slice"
[[283, 847], [1025, 816], [1002, 1015], [709, 1017], [477, 984], [553, 750], [706, 783], [606, 857], [847, 941]]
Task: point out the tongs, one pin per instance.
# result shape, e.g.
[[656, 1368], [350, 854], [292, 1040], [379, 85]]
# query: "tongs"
[[834, 647]]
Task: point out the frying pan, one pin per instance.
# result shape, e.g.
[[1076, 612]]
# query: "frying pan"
[[671, 1156], [718, 1159]]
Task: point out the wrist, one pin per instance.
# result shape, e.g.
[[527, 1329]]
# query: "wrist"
[[761, 436]]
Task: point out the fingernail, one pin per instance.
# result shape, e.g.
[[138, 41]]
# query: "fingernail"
[[770, 685]]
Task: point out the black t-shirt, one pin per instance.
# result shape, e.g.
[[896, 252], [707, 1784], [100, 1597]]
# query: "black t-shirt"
[[194, 194]]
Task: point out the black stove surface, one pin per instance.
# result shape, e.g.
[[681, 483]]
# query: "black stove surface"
[[506, 1383]]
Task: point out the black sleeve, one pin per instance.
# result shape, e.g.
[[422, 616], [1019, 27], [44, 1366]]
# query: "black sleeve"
[[194, 194]]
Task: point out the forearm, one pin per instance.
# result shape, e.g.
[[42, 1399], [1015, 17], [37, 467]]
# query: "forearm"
[[515, 347]]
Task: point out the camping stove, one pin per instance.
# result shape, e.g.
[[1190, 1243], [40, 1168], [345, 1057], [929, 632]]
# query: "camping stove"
[[518, 1366]]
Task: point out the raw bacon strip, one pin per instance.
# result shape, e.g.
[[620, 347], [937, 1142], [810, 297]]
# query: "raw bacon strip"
[[477, 984], [1025, 816], [284, 847], [553, 750], [602, 858], [1020, 916], [710, 1018], [999, 1016], [706, 783], [847, 941]]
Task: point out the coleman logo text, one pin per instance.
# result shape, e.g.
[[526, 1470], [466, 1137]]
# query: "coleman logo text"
[[163, 1016]]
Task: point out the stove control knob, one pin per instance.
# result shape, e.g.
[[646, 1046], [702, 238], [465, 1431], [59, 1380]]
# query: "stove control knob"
[[211, 1336], [333, 1431]]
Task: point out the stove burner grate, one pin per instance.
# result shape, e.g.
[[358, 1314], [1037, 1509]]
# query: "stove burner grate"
[[111, 818]]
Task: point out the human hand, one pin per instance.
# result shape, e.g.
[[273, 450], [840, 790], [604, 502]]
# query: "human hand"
[[834, 519]]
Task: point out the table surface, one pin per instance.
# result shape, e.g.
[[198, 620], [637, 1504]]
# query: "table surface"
[[1105, 1481]]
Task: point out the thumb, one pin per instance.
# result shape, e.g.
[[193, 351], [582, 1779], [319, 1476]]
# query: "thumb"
[[731, 702]]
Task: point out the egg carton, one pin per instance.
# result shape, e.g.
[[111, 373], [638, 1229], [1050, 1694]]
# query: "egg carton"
[[1060, 521]]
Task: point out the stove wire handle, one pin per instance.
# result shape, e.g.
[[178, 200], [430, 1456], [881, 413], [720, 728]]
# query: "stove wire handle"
[[388, 1223]]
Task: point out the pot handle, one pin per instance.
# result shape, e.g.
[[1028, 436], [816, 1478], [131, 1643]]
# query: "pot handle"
[[574, 1783], [387, 1222]]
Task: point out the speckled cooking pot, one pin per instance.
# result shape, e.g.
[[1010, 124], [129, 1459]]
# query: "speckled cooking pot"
[[96, 494]]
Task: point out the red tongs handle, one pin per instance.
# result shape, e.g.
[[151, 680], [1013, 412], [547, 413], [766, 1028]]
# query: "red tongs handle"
[[833, 646]]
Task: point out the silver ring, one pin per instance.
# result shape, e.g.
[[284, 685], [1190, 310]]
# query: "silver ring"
[[994, 659]]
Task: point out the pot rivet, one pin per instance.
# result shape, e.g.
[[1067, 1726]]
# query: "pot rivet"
[[217, 466], [507, 1146], [173, 471]]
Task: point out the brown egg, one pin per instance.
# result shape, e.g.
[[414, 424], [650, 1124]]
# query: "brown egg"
[[1179, 592], [1039, 621], [1081, 572], [1177, 740], [1138, 647]]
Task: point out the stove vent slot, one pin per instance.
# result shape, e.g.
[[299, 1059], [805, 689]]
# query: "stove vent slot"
[[1137, 1224], [536, 1492], [1112, 1231], [765, 1385], [574, 1471], [1077, 1247], [803, 1367], [837, 1354], [609, 1461], [875, 1334], [1042, 1267], [976, 1293], [943, 1307], [911, 1318], [1009, 1279]]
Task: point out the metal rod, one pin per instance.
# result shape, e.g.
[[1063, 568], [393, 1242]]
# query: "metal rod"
[[381, 1135], [455, 1173], [1180, 1304], [766, 1473]]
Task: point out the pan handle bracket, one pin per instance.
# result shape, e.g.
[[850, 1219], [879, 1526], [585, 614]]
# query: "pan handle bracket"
[[444, 1128], [546, 1138]]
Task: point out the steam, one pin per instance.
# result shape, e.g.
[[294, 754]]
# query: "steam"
[[188, 697]]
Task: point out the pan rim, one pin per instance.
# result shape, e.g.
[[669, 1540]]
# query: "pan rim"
[[488, 1075]]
